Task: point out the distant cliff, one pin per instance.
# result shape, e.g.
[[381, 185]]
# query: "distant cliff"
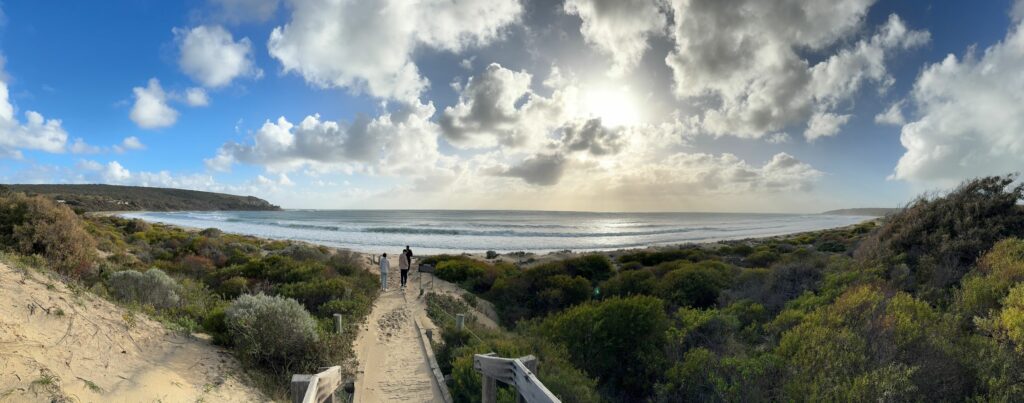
[[136, 198], [870, 211]]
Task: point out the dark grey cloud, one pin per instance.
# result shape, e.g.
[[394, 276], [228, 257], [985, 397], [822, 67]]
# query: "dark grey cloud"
[[593, 137], [540, 170]]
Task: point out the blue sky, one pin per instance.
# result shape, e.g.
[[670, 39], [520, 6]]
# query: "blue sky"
[[641, 105]]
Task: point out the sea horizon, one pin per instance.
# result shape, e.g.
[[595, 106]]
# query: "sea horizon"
[[432, 231]]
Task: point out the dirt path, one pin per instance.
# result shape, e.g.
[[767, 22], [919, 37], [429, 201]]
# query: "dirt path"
[[392, 363], [60, 345]]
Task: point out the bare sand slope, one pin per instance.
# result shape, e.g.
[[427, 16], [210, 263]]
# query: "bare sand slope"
[[60, 345]]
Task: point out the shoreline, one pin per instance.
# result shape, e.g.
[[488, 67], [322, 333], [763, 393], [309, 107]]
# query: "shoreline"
[[530, 256]]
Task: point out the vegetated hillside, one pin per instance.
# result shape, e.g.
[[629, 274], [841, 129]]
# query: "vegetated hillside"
[[136, 198], [866, 211], [269, 302], [926, 304]]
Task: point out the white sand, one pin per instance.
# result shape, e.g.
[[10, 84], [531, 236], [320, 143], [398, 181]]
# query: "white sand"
[[129, 360]]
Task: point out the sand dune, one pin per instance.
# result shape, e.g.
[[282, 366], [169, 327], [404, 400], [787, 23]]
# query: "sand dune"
[[61, 345]]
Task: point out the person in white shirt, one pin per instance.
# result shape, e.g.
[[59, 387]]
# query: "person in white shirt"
[[384, 266]]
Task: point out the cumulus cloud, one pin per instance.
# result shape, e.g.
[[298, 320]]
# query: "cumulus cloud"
[[241, 11], [593, 137], [744, 57], [130, 143], [402, 141], [211, 57], [489, 112], [971, 115], [701, 173], [151, 110], [892, 115], [36, 133], [824, 125], [619, 28], [196, 97], [540, 170], [368, 46]]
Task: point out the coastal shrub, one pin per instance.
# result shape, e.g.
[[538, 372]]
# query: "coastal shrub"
[[761, 258], [536, 292], [703, 376], [152, 287], [234, 286], [459, 270], [314, 293], [345, 262], [626, 283], [196, 265], [303, 252], [352, 308], [37, 225], [490, 255], [939, 239], [274, 332], [593, 267], [634, 325], [694, 284], [867, 338], [653, 258], [211, 233]]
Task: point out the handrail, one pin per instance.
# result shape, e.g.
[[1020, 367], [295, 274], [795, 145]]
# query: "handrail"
[[517, 372], [316, 388]]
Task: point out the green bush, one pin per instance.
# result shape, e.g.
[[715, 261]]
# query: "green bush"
[[37, 225], [153, 287], [634, 282], [312, 294], [274, 332], [694, 284], [459, 270], [691, 253], [594, 267], [933, 242], [618, 340]]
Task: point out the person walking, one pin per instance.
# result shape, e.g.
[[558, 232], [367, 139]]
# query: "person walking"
[[384, 266], [403, 267], [408, 257]]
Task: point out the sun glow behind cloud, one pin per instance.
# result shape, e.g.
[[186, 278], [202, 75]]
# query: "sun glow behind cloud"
[[615, 106]]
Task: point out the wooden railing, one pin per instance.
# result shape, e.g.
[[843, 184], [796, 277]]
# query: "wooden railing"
[[319, 387], [517, 372]]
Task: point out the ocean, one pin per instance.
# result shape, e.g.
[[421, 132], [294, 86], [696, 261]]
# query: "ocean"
[[450, 231]]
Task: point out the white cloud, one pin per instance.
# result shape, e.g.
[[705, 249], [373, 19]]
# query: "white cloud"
[[240, 11], [116, 173], [779, 138], [132, 143], [403, 141], [619, 28], [487, 114], [824, 125], [892, 116], [79, 146], [744, 59], [36, 133], [971, 116], [210, 55], [368, 46], [151, 110], [196, 96]]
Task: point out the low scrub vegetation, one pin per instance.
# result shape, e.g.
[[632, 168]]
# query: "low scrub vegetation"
[[269, 301], [926, 304]]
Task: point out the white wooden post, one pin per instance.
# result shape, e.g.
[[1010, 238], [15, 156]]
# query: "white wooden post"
[[460, 321]]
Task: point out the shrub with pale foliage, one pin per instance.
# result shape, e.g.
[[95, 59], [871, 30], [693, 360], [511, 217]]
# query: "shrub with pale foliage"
[[153, 287], [270, 330]]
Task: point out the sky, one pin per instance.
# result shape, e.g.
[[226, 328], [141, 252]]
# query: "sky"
[[587, 105]]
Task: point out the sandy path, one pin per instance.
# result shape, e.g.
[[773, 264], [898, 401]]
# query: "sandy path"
[[59, 345], [393, 365]]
